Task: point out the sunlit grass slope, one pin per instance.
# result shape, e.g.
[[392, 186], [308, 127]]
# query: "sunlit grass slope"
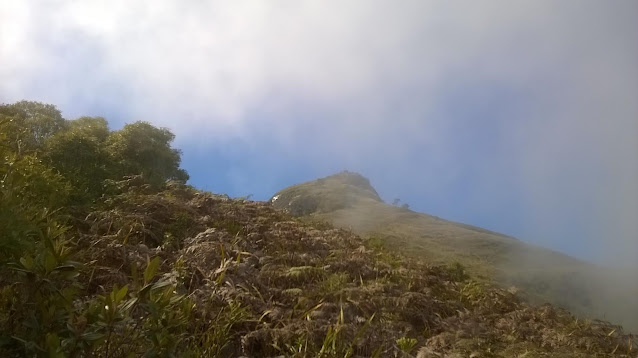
[[347, 200]]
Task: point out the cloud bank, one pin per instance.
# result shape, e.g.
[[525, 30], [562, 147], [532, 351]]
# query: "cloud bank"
[[517, 116]]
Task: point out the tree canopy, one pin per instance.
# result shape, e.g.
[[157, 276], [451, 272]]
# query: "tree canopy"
[[85, 152], [32, 124], [50, 163], [141, 148]]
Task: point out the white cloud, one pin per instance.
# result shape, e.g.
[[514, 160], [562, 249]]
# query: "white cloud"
[[226, 56], [363, 74]]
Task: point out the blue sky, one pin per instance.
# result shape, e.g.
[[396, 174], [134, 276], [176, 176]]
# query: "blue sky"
[[521, 117]]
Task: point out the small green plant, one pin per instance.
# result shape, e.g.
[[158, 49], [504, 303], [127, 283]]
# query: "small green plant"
[[375, 243], [406, 345], [335, 344], [230, 225], [458, 272], [335, 282], [211, 340], [165, 313], [47, 286], [303, 274], [472, 293]]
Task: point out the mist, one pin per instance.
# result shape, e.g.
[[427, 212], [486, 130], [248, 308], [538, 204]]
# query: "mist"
[[518, 117]]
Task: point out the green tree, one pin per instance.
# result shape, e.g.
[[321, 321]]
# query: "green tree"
[[140, 148], [79, 154], [94, 127], [29, 192], [33, 124]]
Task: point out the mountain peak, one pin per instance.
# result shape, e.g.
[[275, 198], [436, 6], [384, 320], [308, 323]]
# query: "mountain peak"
[[334, 192], [353, 179]]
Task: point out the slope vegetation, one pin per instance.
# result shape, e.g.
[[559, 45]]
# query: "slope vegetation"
[[347, 200], [176, 271], [106, 252]]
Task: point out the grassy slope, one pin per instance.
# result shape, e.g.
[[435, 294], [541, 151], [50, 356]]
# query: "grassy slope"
[[249, 280], [540, 274]]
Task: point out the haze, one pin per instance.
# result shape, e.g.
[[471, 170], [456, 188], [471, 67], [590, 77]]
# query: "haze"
[[520, 117]]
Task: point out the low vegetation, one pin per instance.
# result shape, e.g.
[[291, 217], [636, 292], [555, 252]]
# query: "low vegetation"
[[538, 275], [144, 265]]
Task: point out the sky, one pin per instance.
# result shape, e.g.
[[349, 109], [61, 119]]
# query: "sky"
[[516, 116]]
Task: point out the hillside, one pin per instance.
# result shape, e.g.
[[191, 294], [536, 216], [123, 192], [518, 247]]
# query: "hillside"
[[106, 252], [347, 200], [183, 271]]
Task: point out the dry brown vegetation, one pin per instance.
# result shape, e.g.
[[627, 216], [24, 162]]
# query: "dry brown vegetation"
[[246, 279], [539, 275]]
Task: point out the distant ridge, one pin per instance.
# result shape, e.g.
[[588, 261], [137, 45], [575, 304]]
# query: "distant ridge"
[[348, 200]]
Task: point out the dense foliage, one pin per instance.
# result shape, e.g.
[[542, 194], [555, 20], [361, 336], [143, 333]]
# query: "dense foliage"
[[84, 152], [53, 172], [106, 252]]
